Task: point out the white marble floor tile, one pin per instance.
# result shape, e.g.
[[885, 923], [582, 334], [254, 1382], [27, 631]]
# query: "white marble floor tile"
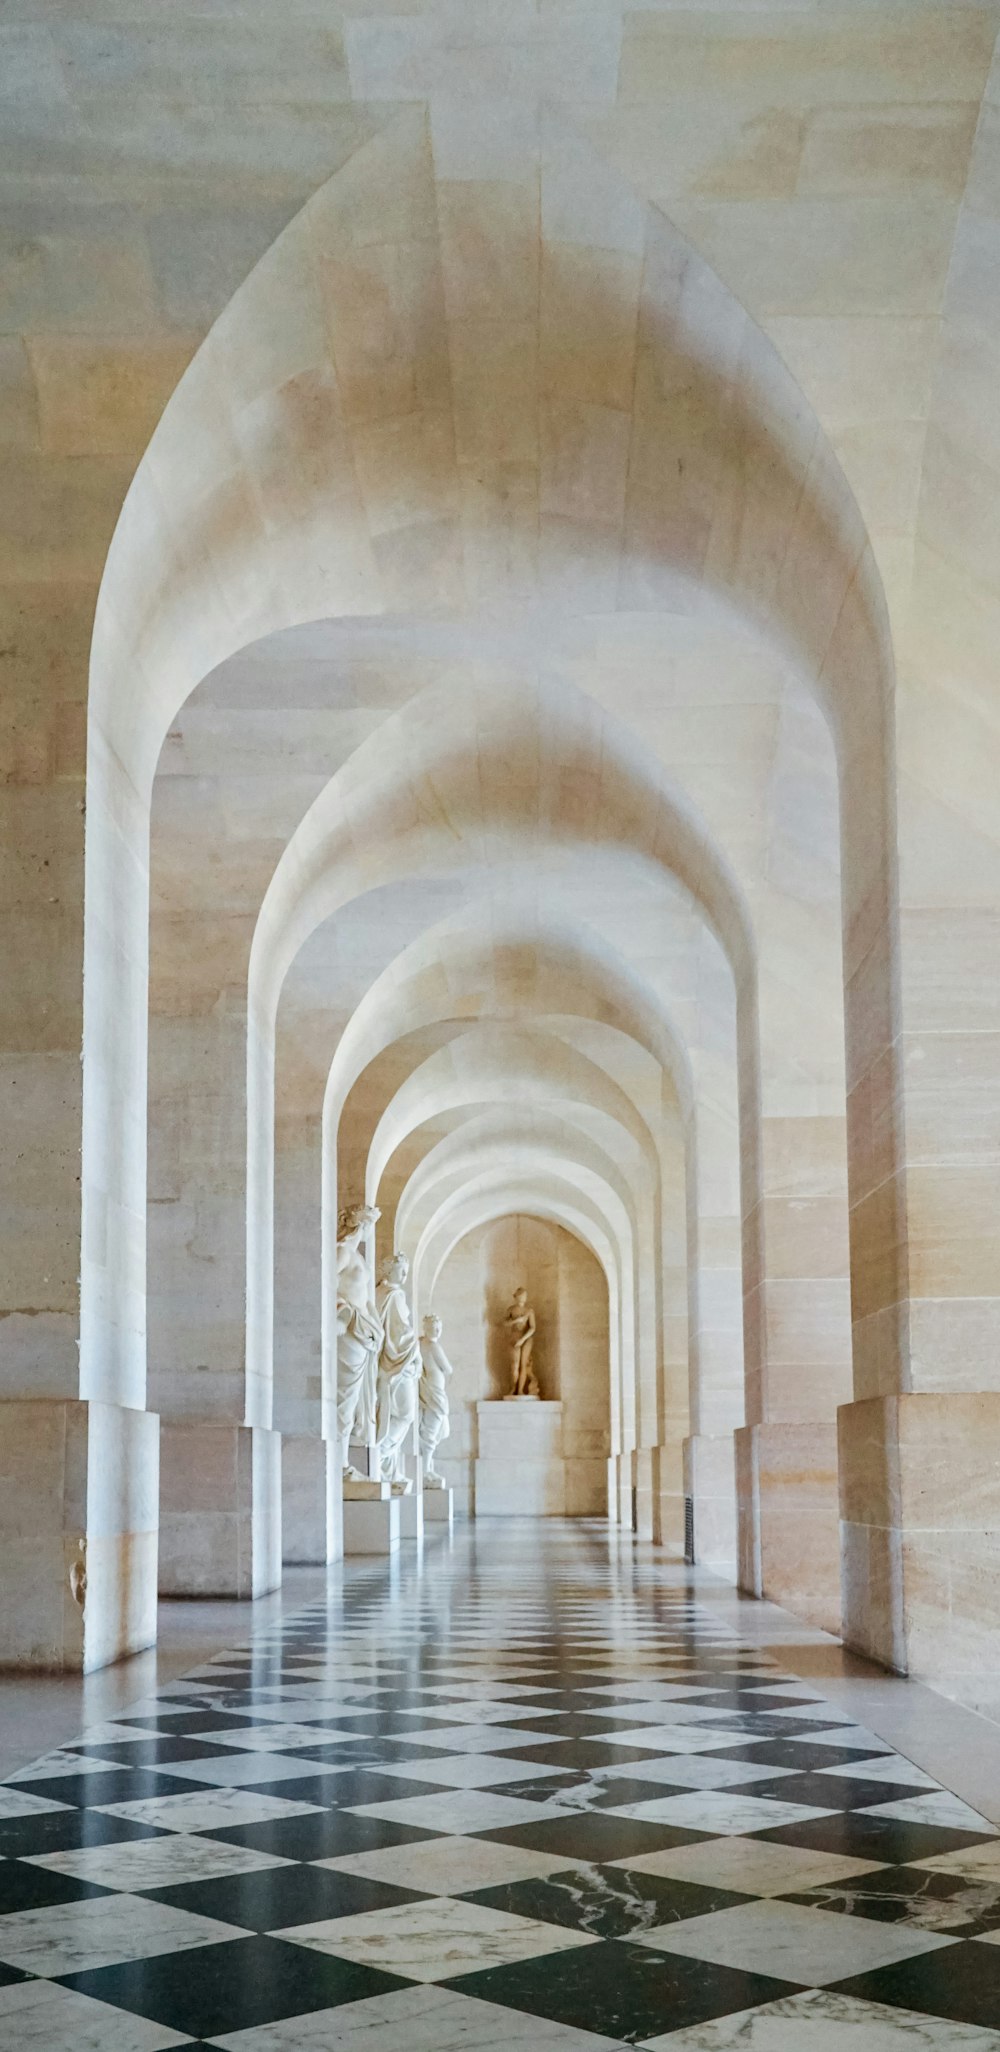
[[467, 1770], [493, 1690], [750, 1865], [822, 1712], [436, 1939], [109, 1735], [101, 1930], [53, 1765], [649, 1691], [38, 2016], [140, 1863], [421, 2018], [973, 1862], [465, 1738], [449, 1866], [249, 1769], [885, 1767], [457, 1811], [852, 1735], [685, 1714], [280, 1735], [675, 1738], [699, 1770], [722, 1810], [820, 2021], [17, 1802], [938, 1808], [791, 1943], [207, 1809]]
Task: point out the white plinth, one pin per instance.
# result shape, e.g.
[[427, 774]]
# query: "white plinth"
[[439, 1508], [411, 1514], [520, 1471], [371, 1522]]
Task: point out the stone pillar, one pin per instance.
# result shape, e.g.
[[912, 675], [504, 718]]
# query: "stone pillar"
[[920, 1501], [788, 1529], [78, 1532], [710, 1482], [646, 1506], [312, 1520], [797, 1320], [220, 1510]]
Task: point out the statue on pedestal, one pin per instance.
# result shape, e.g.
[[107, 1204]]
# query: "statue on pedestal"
[[434, 1410], [520, 1327], [359, 1333], [399, 1369]]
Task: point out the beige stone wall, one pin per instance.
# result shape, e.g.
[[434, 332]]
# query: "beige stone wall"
[[570, 1299], [669, 332]]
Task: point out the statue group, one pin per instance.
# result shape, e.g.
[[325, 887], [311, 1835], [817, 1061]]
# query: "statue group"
[[384, 1372]]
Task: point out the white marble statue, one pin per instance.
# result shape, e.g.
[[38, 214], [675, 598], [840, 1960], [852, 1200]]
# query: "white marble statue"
[[359, 1333], [399, 1369], [520, 1328], [434, 1409]]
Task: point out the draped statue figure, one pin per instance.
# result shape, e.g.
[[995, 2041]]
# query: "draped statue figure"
[[359, 1333], [434, 1409], [399, 1367], [520, 1328]]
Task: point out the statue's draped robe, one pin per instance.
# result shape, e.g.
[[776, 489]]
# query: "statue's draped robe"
[[359, 1337], [398, 1375], [434, 1408]]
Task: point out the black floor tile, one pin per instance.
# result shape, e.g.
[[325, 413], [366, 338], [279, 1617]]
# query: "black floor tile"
[[861, 1836], [159, 1751], [187, 1723], [579, 1753], [96, 1791], [949, 1903], [593, 1836], [578, 1726], [9, 1976], [234, 1986], [324, 1835], [66, 1830], [799, 1755], [622, 1991], [609, 1902], [24, 1887], [960, 1982], [275, 1898], [835, 1791]]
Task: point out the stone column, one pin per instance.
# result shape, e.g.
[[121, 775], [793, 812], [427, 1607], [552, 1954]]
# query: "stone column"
[[220, 1477], [798, 1337]]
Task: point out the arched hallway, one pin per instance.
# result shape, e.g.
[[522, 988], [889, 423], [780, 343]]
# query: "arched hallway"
[[500, 1011], [528, 1786]]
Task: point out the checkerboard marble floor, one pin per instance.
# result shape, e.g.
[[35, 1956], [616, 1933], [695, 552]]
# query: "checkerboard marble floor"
[[525, 1794]]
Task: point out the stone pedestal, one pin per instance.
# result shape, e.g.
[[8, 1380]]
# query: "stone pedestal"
[[439, 1509], [614, 1503], [787, 1517], [78, 1532], [643, 1461], [710, 1482], [920, 1510], [312, 1525], [520, 1471], [220, 1509], [371, 1518], [412, 1513]]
